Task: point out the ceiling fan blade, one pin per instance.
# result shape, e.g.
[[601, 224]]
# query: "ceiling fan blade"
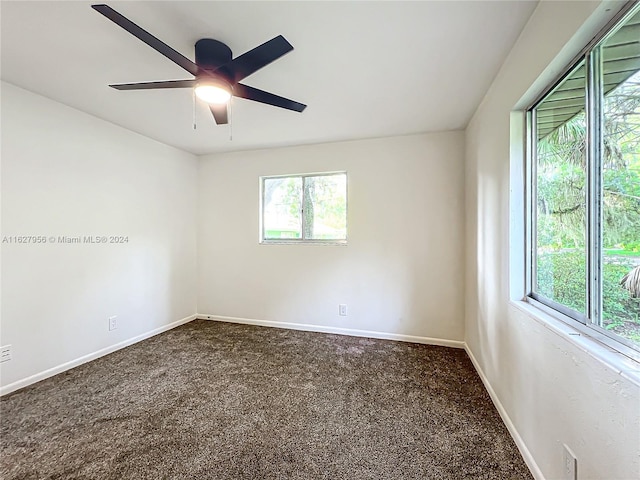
[[255, 59], [220, 113], [250, 93], [147, 38], [152, 85]]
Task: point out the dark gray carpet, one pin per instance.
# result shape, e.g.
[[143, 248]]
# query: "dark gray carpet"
[[214, 400]]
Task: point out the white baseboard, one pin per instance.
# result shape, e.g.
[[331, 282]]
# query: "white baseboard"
[[340, 331], [526, 454], [12, 387]]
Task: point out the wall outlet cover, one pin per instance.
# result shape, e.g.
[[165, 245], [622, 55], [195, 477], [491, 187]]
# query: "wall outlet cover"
[[5, 353]]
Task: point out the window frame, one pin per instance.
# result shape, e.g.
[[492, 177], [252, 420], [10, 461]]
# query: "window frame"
[[302, 240], [586, 324]]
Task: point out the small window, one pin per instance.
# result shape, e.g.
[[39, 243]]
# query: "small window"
[[304, 208], [584, 182]]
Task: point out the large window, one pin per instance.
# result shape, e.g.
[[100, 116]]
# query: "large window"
[[304, 208], [584, 179]]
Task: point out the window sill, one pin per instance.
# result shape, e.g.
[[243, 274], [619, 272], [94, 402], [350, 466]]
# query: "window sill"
[[621, 364], [338, 243]]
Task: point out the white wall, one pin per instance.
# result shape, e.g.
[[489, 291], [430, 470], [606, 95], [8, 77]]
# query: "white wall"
[[67, 173], [402, 271], [550, 388]]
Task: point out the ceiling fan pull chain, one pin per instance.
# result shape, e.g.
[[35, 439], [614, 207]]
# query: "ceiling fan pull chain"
[[231, 119], [194, 109]]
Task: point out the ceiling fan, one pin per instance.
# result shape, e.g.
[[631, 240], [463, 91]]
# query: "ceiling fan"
[[217, 74]]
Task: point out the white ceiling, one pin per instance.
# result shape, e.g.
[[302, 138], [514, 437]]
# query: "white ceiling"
[[365, 69]]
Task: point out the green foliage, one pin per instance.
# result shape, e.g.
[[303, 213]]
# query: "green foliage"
[[617, 304], [561, 175], [561, 277], [631, 246], [323, 215]]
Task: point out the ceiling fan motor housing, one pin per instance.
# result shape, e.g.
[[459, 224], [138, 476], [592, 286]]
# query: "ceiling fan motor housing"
[[211, 54]]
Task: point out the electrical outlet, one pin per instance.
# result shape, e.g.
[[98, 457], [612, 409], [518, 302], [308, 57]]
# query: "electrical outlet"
[[342, 310], [5, 353], [569, 464], [113, 322]]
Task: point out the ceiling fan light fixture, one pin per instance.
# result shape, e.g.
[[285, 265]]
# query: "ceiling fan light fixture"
[[213, 92]]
